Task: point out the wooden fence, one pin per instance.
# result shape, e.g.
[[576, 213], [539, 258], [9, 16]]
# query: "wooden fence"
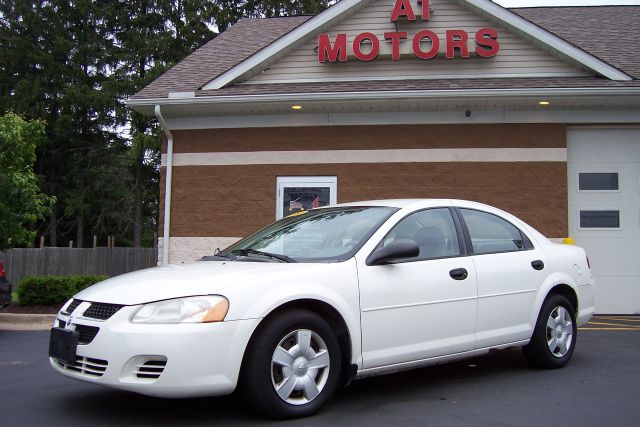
[[62, 261]]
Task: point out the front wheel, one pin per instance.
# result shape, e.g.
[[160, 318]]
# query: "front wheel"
[[292, 367], [554, 337]]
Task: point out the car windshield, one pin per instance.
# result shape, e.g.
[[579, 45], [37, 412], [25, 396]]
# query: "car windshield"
[[319, 235]]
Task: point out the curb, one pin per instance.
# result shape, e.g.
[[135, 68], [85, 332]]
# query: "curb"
[[26, 322]]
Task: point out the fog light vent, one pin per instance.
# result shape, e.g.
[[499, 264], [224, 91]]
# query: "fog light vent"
[[151, 369], [86, 366]]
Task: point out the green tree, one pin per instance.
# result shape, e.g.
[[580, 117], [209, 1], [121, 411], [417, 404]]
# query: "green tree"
[[275, 8], [22, 202], [56, 65], [150, 36], [71, 63]]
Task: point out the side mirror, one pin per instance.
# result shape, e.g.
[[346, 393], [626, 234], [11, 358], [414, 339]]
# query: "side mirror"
[[403, 248]]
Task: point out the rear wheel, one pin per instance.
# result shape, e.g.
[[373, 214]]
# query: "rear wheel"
[[554, 337], [292, 367]]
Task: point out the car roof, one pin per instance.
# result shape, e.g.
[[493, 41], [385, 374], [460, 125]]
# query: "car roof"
[[416, 203]]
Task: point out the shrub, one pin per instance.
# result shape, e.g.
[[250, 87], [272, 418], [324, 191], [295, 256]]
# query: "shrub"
[[52, 290]]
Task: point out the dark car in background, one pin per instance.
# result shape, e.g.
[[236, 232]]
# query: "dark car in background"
[[5, 288]]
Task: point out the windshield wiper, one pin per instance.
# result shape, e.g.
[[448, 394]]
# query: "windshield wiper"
[[217, 256], [248, 251]]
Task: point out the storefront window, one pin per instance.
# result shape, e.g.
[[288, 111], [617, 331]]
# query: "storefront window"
[[297, 194]]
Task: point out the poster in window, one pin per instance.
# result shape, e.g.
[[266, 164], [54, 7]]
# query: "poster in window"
[[296, 199]]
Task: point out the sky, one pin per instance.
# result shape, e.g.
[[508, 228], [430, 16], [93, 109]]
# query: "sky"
[[527, 3]]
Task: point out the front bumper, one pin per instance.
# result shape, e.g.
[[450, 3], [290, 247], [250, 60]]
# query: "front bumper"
[[173, 360]]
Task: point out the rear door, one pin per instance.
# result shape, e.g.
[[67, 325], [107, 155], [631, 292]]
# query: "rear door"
[[509, 271]]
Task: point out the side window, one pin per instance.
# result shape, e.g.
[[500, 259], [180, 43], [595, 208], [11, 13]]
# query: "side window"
[[433, 230], [490, 233]]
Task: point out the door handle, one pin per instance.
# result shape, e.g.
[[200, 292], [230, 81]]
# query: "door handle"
[[537, 264], [458, 274]]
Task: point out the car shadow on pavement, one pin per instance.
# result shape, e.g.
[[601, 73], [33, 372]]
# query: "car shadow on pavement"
[[432, 385]]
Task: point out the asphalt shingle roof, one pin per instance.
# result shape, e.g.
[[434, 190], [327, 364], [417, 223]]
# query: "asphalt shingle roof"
[[231, 47], [611, 33], [607, 32]]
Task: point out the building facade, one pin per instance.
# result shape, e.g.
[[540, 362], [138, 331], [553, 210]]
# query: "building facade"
[[535, 111]]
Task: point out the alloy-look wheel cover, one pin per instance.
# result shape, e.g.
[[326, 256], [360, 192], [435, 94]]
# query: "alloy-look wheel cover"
[[300, 367], [559, 331]]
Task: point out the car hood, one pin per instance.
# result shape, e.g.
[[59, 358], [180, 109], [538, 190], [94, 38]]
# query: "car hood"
[[200, 278]]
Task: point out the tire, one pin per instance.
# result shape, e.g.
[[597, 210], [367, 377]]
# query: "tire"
[[292, 366], [555, 334]]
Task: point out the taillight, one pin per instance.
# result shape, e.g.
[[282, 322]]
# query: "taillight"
[[1, 269]]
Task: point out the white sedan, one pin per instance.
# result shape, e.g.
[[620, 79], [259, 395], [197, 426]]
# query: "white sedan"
[[327, 296]]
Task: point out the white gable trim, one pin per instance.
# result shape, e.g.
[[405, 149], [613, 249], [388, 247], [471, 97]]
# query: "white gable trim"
[[320, 22], [345, 8], [527, 29]]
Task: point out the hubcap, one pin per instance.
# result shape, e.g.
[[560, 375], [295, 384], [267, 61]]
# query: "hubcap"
[[559, 331], [300, 367]]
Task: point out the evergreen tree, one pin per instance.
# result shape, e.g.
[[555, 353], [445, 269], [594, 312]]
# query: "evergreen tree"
[[71, 63], [275, 8], [58, 65]]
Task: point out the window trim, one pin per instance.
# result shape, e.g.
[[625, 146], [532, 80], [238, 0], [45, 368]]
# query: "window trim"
[[578, 190], [581, 228], [528, 243], [306, 181]]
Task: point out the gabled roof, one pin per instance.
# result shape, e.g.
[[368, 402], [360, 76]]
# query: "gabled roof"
[[231, 47], [485, 8], [611, 33], [597, 30]]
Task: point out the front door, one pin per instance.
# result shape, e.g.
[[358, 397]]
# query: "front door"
[[423, 307]]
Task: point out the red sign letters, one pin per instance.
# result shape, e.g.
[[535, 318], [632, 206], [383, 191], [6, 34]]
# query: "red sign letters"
[[425, 44]]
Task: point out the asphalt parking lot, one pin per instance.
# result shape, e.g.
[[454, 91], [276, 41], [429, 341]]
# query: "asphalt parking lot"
[[600, 386], [614, 323]]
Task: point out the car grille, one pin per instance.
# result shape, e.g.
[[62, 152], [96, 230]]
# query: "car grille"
[[96, 310], [87, 333], [74, 304], [151, 369], [101, 311], [86, 366]]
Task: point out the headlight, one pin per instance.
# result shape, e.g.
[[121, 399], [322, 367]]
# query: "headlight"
[[203, 309]]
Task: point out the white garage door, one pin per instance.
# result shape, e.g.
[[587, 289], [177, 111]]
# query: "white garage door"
[[604, 211]]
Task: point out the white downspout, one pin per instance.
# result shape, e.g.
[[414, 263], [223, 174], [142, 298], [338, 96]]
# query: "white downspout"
[[167, 191]]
